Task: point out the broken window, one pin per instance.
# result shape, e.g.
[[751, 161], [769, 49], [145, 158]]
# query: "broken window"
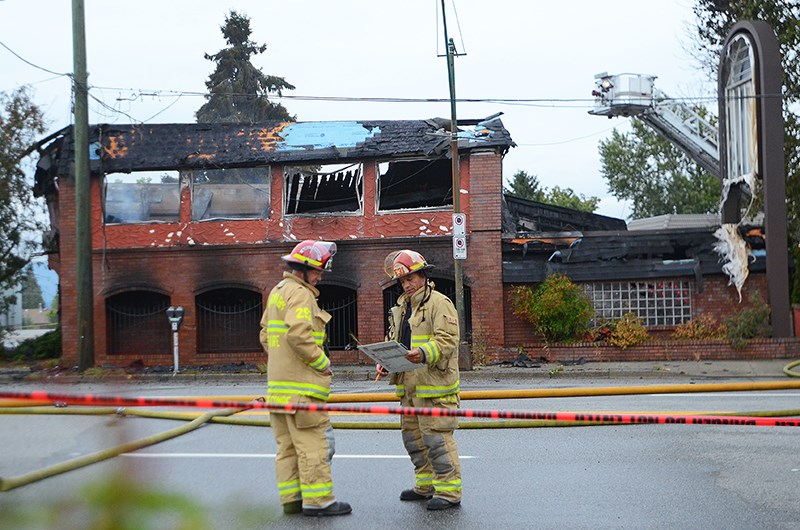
[[233, 193], [415, 184], [141, 197], [331, 188]]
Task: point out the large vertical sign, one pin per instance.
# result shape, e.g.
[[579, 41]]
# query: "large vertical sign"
[[751, 148]]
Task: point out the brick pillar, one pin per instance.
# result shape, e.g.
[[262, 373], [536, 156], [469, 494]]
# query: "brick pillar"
[[68, 273], [484, 257]]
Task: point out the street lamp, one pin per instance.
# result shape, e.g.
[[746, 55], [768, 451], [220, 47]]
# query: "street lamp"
[[175, 317]]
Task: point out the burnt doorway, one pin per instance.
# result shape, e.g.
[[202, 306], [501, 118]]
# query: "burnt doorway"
[[341, 303], [228, 320], [136, 324]]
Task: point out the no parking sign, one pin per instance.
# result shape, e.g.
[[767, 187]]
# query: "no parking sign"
[[459, 247], [459, 236], [459, 224]]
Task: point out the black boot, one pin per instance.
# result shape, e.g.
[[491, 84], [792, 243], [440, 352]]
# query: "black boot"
[[411, 495], [438, 503], [337, 508]]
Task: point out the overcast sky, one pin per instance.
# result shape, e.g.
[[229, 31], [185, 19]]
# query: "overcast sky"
[[145, 62]]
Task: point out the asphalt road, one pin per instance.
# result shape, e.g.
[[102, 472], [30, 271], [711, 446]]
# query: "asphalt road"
[[626, 476]]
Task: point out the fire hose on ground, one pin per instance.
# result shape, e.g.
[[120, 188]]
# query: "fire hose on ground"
[[510, 419], [788, 369]]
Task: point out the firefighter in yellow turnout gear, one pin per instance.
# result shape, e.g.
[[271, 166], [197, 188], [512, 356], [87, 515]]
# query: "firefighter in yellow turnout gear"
[[292, 333], [426, 322]]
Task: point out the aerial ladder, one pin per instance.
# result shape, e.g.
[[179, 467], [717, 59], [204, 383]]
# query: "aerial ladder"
[[631, 95]]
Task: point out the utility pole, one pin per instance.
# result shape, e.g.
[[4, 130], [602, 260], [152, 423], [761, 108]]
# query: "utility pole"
[[464, 356], [83, 208]]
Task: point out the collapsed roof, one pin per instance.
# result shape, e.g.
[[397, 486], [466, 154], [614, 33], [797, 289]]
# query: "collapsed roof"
[[541, 239], [139, 147]]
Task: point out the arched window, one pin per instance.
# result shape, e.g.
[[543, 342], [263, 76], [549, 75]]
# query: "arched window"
[[740, 109], [340, 302], [228, 321], [136, 324]]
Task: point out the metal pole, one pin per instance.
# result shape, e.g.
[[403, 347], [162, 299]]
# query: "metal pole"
[[175, 353], [464, 357], [83, 207]]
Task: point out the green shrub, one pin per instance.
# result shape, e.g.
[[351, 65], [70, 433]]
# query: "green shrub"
[[749, 323], [628, 331], [47, 346], [558, 308], [703, 327]]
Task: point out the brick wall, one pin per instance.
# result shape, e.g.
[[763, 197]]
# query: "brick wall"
[[660, 351], [717, 300]]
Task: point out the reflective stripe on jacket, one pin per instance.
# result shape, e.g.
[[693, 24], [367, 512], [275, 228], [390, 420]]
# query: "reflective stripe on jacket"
[[292, 334], [434, 330]]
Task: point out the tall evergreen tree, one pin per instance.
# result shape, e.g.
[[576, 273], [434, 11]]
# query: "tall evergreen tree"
[[525, 186], [237, 90], [31, 291]]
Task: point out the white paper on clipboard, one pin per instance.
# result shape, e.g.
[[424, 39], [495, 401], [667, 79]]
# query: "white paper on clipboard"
[[391, 355]]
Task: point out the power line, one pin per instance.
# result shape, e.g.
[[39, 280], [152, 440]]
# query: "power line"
[[551, 102], [532, 102], [18, 56]]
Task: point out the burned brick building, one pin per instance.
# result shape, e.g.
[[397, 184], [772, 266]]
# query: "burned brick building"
[[198, 215]]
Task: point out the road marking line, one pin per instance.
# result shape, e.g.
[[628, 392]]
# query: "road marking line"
[[255, 455]]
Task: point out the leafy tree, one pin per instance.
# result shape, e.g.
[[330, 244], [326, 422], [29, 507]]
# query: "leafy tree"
[[21, 121], [31, 291], [238, 91], [526, 186], [569, 199], [646, 169], [715, 18]]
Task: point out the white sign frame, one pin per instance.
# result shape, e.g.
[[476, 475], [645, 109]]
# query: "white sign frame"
[[391, 355]]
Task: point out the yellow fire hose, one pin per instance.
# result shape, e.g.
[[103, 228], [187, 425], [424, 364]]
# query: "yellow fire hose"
[[197, 419], [788, 369], [11, 483], [385, 397]]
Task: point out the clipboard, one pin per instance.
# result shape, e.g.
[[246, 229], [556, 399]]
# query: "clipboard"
[[391, 355]]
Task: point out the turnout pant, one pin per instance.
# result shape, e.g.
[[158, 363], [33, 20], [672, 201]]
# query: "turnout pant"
[[303, 462], [430, 444]]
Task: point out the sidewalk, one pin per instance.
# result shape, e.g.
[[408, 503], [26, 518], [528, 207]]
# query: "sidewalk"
[[679, 371], [756, 369]]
